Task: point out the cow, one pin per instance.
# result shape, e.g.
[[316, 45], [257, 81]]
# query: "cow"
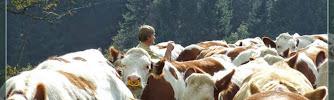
[[305, 65], [192, 51], [136, 70], [317, 52], [285, 41], [201, 86], [159, 49], [145, 81], [209, 65], [73, 79], [279, 78]]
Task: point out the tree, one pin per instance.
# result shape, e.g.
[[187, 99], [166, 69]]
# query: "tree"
[[139, 12], [47, 10]]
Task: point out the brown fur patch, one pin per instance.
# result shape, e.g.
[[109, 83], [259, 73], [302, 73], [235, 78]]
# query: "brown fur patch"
[[320, 38], [80, 58], [292, 61], [189, 71], [223, 84], [254, 88], [187, 55], [269, 42], [320, 58], [9, 92], [40, 92], [78, 81], [59, 59], [317, 94], [158, 68], [114, 53], [303, 68], [231, 93], [158, 89], [286, 53], [208, 65], [235, 52], [172, 71]]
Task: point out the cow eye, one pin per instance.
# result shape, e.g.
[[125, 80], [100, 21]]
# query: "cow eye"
[[278, 47], [147, 67]]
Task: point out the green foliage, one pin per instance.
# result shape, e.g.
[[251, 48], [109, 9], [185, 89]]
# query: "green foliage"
[[116, 22], [20, 4], [243, 31], [232, 38], [15, 70]]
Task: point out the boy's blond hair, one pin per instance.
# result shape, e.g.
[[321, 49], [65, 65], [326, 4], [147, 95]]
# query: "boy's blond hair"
[[145, 31]]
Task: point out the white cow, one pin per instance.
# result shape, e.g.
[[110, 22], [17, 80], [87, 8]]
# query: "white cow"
[[69, 80]]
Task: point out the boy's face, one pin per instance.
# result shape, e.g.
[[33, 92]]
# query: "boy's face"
[[151, 38]]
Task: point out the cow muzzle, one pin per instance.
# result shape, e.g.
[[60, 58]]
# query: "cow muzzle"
[[134, 81]]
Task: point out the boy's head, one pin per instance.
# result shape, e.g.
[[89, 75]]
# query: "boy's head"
[[146, 32]]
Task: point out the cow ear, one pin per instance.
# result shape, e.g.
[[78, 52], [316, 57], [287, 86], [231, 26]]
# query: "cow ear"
[[114, 53], [224, 83], [40, 92], [254, 88], [286, 53], [292, 61], [240, 44], [318, 94], [269, 42], [320, 58], [157, 69]]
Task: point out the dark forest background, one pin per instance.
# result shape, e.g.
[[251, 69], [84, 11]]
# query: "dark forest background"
[[38, 29]]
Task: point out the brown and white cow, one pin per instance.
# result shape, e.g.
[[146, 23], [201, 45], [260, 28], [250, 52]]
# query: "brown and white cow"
[[305, 65], [209, 65], [316, 52], [73, 79], [192, 51], [136, 70], [285, 41], [280, 78]]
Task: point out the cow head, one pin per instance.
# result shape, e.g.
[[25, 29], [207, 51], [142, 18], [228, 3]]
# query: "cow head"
[[116, 59], [286, 41], [136, 66]]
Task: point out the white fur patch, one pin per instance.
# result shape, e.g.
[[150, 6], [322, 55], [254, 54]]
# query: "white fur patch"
[[199, 87], [193, 46], [178, 84]]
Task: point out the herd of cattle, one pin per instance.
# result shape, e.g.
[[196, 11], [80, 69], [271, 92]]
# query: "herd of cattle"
[[292, 67]]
